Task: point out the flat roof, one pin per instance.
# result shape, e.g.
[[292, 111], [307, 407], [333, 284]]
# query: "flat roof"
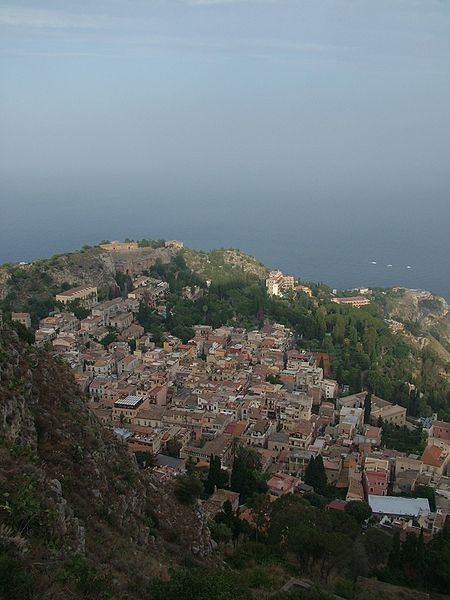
[[129, 402], [162, 460], [396, 505]]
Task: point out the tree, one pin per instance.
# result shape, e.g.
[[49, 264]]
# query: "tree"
[[321, 476], [394, 556], [260, 511], [173, 447], [246, 477], [232, 521], [403, 439], [437, 561], [360, 511], [315, 475], [16, 580], [273, 379], [188, 488], [367, 407], [217, 478], [378, 546], [25, 334], [190, 466], [220, 532], [310, 472], [144, 459], [201, 584], [426, 491]]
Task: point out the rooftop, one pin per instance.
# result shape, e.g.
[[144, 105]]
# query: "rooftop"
[[78, 290], [129, 402], [395, 505]]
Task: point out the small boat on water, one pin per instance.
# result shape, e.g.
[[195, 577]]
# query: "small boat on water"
[[389, 265], [374, 262]]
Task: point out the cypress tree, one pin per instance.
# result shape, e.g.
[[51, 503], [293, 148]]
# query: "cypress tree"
[[216, 477], [320, 475], [367, 407], [309, 473], [315, 475]]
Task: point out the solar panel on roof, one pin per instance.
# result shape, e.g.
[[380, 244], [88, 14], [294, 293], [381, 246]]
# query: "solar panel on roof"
[[130, 401]]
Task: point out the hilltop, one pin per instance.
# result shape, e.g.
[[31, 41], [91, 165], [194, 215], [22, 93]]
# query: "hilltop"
[[31, 287]]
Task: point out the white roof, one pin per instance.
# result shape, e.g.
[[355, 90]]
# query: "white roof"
[[395, 505], [129, 401]]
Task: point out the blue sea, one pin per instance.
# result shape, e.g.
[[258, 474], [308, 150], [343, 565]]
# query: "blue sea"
[[340, 235]]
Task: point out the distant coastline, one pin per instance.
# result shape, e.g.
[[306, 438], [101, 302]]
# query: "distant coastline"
[[333, 283]]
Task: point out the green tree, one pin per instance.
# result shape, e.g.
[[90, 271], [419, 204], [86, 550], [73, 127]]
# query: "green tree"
[[403, 439], [200, 584], [16, 581], [220, 532], [437, 561], [25, 334], [190, 466], [367, 407], [378, 545], [394, 556], [217, 477], [188, 488], [315, 475], [173, 447], [426, 491], [232, 521], [261, 510], [360, 511], [144, 459], [246, 476]]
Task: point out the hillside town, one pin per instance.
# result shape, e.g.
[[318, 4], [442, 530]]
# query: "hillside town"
[[256, 387]]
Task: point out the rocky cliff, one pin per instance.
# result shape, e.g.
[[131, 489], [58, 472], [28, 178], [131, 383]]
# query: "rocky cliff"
[[72, 500], [425, 315], [31, 287]]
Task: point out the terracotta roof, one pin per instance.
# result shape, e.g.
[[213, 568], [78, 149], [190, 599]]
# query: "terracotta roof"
[[337, 505], [434, 456]]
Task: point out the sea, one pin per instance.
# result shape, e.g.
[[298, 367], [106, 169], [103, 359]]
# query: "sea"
[[339, 235]]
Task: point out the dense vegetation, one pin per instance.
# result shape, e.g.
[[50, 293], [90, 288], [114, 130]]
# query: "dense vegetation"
[[403, 439], [293, 538], [31, 290]]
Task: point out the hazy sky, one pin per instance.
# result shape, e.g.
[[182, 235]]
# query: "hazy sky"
[[283, 91]]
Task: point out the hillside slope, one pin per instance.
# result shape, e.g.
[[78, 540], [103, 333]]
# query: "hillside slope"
[[424, 316], [209, 264], [77, 518], [31, 287]]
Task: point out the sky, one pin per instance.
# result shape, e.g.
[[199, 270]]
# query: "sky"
[[292, 88], [226, 107]]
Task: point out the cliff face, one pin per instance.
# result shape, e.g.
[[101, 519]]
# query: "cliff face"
[[70, 493], [32, 287], [428, 313], [16, 421]]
